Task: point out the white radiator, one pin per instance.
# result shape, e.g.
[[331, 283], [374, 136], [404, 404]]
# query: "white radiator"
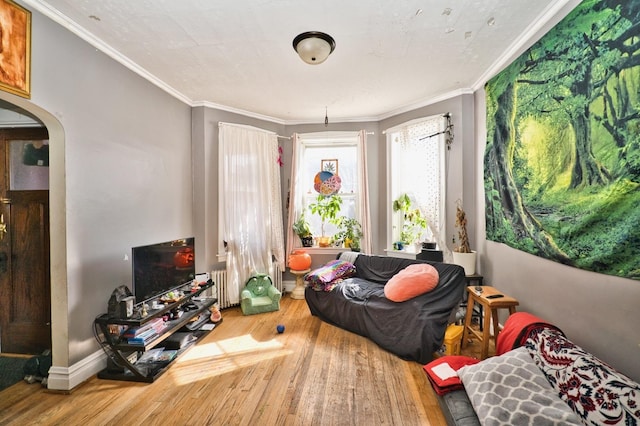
[[219, 277]]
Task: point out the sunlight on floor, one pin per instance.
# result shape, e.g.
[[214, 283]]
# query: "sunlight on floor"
[[213, 359]]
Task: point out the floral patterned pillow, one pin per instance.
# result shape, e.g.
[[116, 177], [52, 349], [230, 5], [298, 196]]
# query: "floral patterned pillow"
[[596, 392]]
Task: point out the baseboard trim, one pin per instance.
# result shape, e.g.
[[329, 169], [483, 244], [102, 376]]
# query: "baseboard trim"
[[288, 286], [67, 378]]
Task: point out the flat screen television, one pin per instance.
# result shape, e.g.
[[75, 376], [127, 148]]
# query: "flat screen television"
[[160, 268]]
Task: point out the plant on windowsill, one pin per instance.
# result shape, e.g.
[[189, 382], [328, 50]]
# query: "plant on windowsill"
[[327, 207], [302, 229], [414, 223], [349, 234]]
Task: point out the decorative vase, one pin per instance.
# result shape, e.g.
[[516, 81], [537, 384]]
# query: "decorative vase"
[[299, 260], [307, 241], [467, 261], [324, 241]]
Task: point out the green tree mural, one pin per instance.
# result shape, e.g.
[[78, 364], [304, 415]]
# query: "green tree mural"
[[563, 146]]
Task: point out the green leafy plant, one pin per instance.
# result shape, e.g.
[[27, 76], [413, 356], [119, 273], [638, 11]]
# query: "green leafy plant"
[[414, 223], [350, 232], [303, 230], [301, 227], [327, 208]]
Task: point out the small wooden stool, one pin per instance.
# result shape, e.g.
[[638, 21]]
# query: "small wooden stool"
[[298, 292], [490, 306]]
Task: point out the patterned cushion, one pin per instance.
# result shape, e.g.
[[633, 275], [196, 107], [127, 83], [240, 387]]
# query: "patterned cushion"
[[325, 277], [595, 391], [510, 390]]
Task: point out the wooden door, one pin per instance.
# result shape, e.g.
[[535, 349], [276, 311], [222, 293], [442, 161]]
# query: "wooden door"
[[25, 279]]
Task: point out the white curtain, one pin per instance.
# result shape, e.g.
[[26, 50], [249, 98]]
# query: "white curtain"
[[363, 187], [250, 203], [295, 207]]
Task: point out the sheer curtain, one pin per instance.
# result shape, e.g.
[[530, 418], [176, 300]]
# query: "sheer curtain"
[[418, 167], [250, 203]]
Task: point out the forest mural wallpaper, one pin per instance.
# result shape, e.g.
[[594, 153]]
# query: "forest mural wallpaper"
[[562, 163]]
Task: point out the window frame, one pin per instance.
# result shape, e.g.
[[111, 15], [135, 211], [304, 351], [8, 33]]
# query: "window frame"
[[327, 140], [440, 137]]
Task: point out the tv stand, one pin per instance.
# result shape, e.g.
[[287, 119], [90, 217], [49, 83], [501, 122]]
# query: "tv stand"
[[123, 355]]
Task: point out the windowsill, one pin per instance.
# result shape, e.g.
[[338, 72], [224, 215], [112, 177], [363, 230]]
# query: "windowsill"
[[405, 254], [322, 250]]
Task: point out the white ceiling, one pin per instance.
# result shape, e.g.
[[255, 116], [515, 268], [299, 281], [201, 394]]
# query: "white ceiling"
[[390, 56]]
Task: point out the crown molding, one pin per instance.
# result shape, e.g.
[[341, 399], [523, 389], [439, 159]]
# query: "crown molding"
[[549, 13], [525, 39], [246, 113], [72, 26]]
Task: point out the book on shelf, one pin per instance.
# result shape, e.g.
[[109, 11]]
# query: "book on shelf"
[[156, 324], [142, 340]]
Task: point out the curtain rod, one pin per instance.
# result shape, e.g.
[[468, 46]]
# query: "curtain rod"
[[288, 137]]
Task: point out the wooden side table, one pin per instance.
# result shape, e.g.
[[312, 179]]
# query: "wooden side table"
[[298, 292], [474, 280], [490, 307]]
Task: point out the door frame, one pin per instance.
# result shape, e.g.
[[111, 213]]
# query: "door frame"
[[58, 232]]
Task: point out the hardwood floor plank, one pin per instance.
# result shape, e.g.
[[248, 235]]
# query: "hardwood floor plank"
[[245, 373]]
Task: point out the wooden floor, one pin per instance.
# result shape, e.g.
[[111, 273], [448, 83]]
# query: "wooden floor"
[[244, 373]]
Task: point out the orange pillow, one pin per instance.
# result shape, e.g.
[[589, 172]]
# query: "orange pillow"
[[412, 281]]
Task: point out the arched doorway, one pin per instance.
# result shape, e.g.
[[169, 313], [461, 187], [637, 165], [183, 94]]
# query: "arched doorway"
[[57, 224], [25, 314]]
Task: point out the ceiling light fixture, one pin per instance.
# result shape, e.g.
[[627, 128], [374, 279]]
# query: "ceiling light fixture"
[[314, 47]]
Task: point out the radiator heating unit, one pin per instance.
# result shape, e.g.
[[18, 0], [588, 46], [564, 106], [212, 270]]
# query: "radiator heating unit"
[[219, 277]]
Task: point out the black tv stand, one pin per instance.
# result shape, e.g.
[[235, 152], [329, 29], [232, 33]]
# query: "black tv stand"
[[123, 356]]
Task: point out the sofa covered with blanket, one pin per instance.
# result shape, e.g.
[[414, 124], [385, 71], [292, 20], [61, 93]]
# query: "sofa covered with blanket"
[[538, 376], [403, 305]]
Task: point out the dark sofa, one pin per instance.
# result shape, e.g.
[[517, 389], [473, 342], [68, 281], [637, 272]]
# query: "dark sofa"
[[413, 329]]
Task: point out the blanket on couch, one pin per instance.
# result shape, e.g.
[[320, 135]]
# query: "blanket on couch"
[[413, 329]]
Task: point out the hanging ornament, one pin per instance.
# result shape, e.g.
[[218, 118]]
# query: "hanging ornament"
[[326, 183], [326, 117]]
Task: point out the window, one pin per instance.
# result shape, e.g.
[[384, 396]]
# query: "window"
[[416, 162], [340, 154]]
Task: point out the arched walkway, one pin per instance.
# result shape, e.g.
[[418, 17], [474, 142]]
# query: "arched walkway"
[[57, 222]]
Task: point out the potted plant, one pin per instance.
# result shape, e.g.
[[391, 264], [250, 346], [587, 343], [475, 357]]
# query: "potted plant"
[[413, 223], [350, 232], [327, 207], [462, 253], [302, 229]]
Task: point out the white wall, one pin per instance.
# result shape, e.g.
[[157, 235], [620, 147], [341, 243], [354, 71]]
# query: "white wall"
[[121, 172]]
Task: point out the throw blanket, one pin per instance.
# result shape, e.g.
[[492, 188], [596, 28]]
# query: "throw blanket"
[[519, 327], [596, 392]]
